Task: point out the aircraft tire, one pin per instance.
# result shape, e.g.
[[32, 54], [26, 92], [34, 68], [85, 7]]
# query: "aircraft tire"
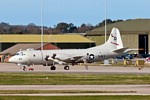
[[24, 68], [44, 64], [52, 68], [66, 68]]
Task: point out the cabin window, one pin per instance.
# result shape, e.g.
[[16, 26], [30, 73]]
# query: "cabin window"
[[20, 58]]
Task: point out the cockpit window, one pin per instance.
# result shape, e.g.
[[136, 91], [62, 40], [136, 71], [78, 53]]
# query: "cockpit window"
[[20, 54], [17, 53]]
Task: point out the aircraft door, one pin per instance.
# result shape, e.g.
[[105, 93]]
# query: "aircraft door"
[[143, 44]]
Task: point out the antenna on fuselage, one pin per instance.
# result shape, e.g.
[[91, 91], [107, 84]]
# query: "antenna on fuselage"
[[42, 32]]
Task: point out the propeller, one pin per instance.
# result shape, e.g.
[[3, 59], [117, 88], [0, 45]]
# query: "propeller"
[[46, 58], [85, 63], [54, 56]]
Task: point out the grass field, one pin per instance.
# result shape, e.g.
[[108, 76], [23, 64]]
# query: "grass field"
[[72, 79], [76, 98]]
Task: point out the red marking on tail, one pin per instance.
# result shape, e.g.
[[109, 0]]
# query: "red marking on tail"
[[114, 43]]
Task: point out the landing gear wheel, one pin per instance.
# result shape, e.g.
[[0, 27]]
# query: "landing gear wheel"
[[53, 68], [66, 68], [24, 68]]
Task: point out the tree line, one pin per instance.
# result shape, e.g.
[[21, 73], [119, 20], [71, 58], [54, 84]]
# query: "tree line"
[[60, 28]]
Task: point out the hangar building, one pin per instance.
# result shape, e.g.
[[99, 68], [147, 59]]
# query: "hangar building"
[[61, 41], [10, 44], [135, 34]]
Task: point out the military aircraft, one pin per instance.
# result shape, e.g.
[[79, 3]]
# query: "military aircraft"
[[111, 48]]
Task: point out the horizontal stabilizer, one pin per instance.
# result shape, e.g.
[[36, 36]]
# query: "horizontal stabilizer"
[[120, 50], [130, 50]]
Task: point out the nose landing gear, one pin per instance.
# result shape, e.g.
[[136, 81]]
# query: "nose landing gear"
[[24, 68]]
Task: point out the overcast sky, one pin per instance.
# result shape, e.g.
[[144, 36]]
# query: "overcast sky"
[[23, 12]]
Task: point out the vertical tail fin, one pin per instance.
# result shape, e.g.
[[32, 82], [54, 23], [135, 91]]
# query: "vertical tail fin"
[[114, 42]]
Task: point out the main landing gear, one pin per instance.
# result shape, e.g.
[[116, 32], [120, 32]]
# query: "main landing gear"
[[66, 67], [54, 68]]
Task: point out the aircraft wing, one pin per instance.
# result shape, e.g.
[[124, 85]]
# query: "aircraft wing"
[[69, 59], [63, 59]]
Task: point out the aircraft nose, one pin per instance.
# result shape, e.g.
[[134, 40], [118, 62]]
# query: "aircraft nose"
[[10, 59]]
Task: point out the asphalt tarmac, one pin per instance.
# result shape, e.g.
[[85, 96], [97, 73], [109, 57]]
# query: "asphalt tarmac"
[[115, 89], [108, 89], [101, 69]]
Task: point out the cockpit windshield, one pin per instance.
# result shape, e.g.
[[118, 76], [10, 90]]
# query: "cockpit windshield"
[[20, 54], [17, 54]]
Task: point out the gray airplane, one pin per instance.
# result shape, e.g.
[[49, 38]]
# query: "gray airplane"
[[112, 48]]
